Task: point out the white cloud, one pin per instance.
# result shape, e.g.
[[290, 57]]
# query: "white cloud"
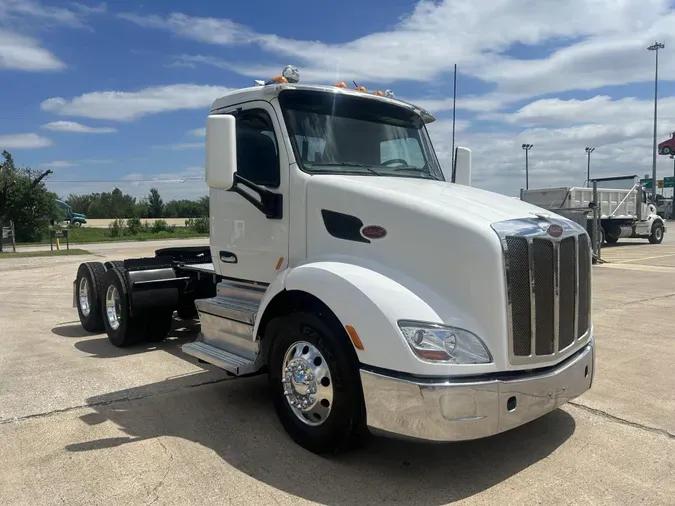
[[131, 105], [23, 141], [197, 132], [58, 164], [19, 52], [424, 45], [598, 109], [72, 126], [13, 11], [182, 146]]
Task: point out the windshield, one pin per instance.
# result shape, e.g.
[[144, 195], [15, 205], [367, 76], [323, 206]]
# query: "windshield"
[[335, 133]]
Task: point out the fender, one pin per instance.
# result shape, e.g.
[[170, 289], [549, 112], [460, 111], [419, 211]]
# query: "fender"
[[372, 302]]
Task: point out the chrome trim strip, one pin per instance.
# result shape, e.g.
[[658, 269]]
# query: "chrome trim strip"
[[576, 290], [533, 305], [556, 297]]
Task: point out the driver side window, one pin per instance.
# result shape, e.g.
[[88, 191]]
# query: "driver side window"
[[257, 153], [407, 149]]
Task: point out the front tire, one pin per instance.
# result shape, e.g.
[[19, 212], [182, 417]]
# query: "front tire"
[[314, 383], [656, 237]]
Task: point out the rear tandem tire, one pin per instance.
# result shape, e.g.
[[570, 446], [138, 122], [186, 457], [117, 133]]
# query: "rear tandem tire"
[[122, 330], [91, 275]]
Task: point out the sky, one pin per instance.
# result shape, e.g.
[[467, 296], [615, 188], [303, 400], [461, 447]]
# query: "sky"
[[116, 94]]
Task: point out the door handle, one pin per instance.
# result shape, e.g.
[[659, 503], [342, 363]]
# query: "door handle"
[[226, 256]]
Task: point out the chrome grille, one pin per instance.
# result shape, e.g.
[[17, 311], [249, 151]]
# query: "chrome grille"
[[548, 286]]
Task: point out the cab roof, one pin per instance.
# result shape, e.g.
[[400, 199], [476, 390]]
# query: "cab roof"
[[271, 91]]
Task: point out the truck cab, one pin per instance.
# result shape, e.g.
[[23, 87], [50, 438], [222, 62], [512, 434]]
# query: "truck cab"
[[73, 218], [377, 290], [667, 147]]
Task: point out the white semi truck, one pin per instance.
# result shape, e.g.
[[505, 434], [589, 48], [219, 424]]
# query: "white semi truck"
[[623, 212], [378, 293]]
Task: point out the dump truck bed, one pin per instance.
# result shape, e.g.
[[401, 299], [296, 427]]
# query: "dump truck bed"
[[613, 203]]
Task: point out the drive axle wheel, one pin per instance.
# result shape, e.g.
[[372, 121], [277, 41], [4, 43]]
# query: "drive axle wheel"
[[314, 383], [122, 329], [88, 295]]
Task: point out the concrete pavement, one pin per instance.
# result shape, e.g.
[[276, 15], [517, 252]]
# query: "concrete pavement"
[[82, 422]]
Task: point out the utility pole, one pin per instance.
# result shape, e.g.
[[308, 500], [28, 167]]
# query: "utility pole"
[[588, 168], [655, 47], [527, 148]]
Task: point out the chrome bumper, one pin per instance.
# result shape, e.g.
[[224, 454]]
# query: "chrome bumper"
[[457, 410]]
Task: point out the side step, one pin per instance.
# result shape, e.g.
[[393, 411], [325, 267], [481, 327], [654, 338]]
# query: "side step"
[[239, 310], [227, 321], [231, 363]]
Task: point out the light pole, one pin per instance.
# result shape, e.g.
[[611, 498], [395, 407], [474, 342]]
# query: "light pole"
[[527, 148], [588, 167], [655, 47], [672, 204]]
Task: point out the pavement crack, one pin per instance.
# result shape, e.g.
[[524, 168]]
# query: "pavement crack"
[[166, 473], [108, 402], [623, 421]]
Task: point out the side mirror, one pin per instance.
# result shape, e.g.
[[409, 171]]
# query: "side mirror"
[[221, 151], [461, 172]]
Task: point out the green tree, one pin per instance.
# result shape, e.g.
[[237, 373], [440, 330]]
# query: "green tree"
[[155, 204], [25, 200]]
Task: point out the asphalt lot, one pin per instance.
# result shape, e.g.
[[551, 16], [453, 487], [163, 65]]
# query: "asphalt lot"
[[84, 423]]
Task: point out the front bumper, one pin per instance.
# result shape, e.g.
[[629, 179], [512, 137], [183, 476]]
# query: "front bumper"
[[457, 410]]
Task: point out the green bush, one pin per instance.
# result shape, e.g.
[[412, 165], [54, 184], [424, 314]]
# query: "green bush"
[[162, 226], [134, 226], [199, 225], [117, 228]]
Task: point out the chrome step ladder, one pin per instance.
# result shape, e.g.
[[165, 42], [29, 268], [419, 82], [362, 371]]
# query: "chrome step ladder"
[[226, 339]]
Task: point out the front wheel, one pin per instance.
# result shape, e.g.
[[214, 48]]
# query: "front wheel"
[[315, 384], [656, 237]]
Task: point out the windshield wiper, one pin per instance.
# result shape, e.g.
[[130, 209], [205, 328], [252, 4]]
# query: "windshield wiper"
[[346, 164], [415, 169]]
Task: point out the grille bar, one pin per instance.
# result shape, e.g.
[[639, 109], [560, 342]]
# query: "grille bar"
[[549, 296]]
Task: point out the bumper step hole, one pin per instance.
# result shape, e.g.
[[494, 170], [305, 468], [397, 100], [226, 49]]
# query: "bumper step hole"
[[586, 372], [511, 403]]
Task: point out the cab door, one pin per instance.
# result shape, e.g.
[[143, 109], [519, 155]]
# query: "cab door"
[[249, 223]]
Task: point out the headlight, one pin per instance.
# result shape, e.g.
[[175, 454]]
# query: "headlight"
[[440, 343]]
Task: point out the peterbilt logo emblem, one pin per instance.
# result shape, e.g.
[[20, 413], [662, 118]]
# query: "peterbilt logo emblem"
[[374, 232], [555, 230]]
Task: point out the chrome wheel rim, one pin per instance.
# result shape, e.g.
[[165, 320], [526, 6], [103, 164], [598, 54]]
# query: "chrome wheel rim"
[[658, 233], [83, 293], [308, 385], [113, 307]]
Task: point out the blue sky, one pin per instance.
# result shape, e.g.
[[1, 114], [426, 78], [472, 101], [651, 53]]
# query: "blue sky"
[[107, 93]]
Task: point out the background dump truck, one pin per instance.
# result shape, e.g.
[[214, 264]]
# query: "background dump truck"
[[73, 218], [377, 291], [623, 212]]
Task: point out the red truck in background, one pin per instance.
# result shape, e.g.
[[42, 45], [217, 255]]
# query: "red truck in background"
[[667, 147]]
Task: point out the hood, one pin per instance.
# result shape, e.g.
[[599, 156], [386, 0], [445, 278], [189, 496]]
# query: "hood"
[[489, 206]]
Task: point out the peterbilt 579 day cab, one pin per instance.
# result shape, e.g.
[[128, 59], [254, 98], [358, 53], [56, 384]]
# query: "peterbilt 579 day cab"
[[376, 293]]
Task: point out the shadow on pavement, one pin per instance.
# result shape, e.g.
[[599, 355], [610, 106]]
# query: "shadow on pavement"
[[182, 331], [236, 421], [71, 330]]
